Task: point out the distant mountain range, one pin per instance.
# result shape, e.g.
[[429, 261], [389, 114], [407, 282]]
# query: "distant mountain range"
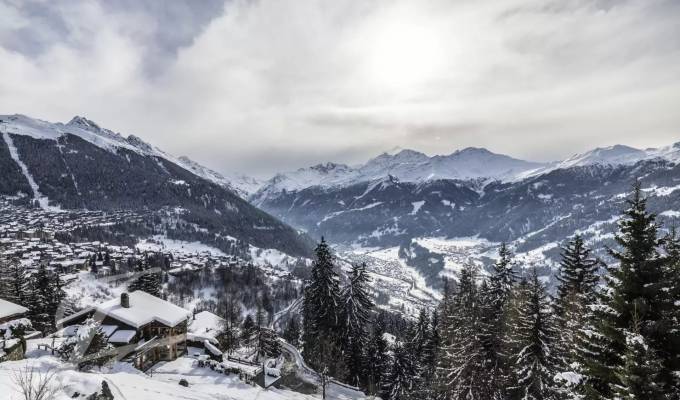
[[402, 200], [406, 199], [81, 165], [467, 164]]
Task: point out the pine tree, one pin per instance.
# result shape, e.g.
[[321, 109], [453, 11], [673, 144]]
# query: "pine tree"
[[428, 360], [267, 343], [321, 305], [43, 301], [636, 286], [248, 329], [149, 283], [399, 380], [13, 282], [577, 274], [376, 356], [535, 336], [356, 306], [292, 332], [672, 313], [577, 290], [503, 277], [493, 303], [638, 376], [461, 370]]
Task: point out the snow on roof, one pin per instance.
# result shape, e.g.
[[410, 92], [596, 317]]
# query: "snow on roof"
[[205, 325], [108, 329], [122, 336], [9, 309], [211, 348], [144, 308]]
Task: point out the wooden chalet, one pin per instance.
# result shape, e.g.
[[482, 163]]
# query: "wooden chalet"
[[145, 328]]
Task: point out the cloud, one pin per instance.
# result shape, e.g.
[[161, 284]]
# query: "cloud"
[[259, 86]]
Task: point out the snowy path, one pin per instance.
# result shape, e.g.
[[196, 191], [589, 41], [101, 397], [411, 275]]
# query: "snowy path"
[[14, 153], [300, 362]]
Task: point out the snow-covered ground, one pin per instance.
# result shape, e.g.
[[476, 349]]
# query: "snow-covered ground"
[[162, 243], [161, 382]]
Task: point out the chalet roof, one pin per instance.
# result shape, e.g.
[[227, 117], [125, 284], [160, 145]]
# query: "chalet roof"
[[122, 336], [9, 309], [144, 308]]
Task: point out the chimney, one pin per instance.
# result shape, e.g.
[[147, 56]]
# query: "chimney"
[[125, 300]]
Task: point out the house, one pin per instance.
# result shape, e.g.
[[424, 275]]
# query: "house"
[[12, 319], [145, 328]]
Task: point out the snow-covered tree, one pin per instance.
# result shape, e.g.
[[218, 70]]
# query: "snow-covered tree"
[[355, 314], [637, 288], [292, 332], [376, 360], [321, 305], [638, 376], [14, 283], [149, 283], [533, 367], [88, 348], [45, 293], [461, 370], [268, 345], [577, 290], [398, 384]]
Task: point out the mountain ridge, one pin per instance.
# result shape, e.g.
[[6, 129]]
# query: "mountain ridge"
[[80, 165]]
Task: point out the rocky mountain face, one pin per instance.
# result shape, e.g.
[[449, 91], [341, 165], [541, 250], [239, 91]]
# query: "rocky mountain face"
[[81, 165]]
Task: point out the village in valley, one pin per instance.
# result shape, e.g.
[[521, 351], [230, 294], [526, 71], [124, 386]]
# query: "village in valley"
[[141, 312]]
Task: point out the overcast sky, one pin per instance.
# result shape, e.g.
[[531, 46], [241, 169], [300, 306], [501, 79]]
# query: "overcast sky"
[[269, 85]]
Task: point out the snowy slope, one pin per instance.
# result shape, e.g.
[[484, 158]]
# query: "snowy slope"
[[466, 164], [88, 130], [611, 155], [104, 138], [242, 185], [405, 165]]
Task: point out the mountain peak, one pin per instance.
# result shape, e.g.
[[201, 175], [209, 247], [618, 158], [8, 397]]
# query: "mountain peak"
[[83, 123], [472, 151]]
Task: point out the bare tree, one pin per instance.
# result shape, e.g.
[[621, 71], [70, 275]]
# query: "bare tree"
[[36, 384]]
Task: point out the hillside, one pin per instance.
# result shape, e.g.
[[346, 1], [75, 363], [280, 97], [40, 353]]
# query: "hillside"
[[80, 165]]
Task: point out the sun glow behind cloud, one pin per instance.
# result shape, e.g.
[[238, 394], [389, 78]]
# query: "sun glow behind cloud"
[[269, 85], [402, 55]]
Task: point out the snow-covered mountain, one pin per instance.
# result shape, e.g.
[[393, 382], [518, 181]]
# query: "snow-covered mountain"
[[79, 165], [467, 164], [243, 185], [400, 200], [404, 165]]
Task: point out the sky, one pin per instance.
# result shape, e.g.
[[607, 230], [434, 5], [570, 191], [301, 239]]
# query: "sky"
[[273, 85]]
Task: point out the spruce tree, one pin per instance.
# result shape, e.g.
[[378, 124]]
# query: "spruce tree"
[[461, 370], [292, 332], [399, 380], [321, 305], [636, 289], [493, 303], [672, 313], [14, 283], [356, 307], [376, 356], [533, 366], [428, 360], [638, 376], [149, 283], [43, 300], [577, 290]]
